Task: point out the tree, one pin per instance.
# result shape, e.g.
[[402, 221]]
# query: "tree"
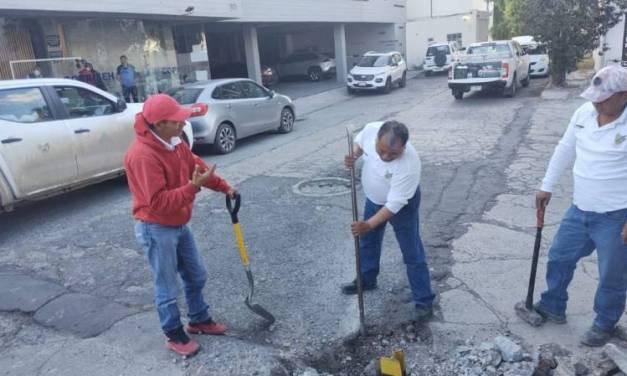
[[500, 27], [570, 28]]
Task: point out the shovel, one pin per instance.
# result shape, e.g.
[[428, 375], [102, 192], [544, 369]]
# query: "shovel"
[[233, 210]]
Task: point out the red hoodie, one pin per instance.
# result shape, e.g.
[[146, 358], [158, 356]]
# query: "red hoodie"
[[159, 179]]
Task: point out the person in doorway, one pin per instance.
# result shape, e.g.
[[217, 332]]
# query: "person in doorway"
[[127, 75], [596, 143], [164, 177], [391, 180], [89, 75], [35, 73]]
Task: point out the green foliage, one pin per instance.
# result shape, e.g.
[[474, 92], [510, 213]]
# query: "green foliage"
[[570, 28]]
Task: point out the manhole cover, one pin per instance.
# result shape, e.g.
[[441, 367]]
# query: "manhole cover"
[[323, 187]]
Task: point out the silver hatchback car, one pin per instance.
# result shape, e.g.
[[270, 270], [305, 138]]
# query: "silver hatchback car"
[[237, 108]]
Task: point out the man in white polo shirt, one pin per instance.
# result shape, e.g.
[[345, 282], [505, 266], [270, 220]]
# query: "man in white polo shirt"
[[391, 179], [596, 142]]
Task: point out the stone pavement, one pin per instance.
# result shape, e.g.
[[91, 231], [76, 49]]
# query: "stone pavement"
[[492, 259], [480, 267]]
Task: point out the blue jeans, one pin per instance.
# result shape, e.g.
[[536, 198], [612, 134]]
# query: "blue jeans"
[[171, 251], [579, 234], [406, 227]]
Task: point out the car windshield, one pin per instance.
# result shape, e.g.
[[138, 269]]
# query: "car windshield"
[[185, 95], [434, 50], [489, 49], [374, 61], [535, 49]]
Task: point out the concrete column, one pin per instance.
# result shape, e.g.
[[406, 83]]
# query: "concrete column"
[[251, 46], [339, 36], [289, 44]]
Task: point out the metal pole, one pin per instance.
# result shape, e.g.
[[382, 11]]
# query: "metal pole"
[[360, 291]]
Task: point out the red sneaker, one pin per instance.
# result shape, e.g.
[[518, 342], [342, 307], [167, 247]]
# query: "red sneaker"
[[185, 349], [206, 327]]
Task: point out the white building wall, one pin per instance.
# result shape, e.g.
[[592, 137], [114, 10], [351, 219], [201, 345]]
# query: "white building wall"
[[614, 41], [473, 26], [435, 19], [427, 8], [202, 8], [361, 38], [381, 11]]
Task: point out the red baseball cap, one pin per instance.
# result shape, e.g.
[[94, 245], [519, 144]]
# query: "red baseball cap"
[[163, 107]]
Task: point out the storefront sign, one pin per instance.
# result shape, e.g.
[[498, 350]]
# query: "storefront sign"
[[53, 40]]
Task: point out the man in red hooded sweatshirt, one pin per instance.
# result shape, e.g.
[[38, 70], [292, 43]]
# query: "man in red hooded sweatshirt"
[[164, 177]]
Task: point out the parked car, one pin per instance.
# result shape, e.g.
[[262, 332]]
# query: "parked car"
[[238, 108], [498, 65], [59, 134], [312, 65], [440, 57], [539, 63], [377, 71]]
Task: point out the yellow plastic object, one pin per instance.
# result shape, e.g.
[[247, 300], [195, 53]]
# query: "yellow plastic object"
[[393, 366], [240, 242]]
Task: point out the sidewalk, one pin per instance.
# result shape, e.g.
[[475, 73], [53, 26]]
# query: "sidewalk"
[[492, 260]]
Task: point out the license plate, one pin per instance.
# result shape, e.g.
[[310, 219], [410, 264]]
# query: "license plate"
[[476, 87], [360, 84]]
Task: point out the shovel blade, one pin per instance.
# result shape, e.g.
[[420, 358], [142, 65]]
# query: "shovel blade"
[[259, 310]]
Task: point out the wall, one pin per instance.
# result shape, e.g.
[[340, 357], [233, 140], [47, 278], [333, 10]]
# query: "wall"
[[472, 26], [613, 40], [202, 8], [422, 8], [386, 11], [361, 38]]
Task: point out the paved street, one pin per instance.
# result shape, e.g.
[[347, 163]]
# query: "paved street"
[[80, 293]]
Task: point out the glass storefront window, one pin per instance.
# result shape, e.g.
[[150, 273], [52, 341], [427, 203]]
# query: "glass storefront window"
[[126, 57]]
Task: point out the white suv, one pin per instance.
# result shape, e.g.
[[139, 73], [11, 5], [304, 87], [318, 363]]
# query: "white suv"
[[377, 71], [440, 57]]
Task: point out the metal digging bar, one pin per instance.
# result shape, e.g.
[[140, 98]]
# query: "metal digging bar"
[[360, 291]]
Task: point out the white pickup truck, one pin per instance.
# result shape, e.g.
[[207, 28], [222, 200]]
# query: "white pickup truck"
[[498, 65]]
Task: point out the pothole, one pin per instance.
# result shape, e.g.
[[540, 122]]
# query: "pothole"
[[323, 187]]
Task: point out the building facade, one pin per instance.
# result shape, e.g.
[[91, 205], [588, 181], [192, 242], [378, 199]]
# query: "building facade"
[[613, 48], [428, 21], [173, 43]]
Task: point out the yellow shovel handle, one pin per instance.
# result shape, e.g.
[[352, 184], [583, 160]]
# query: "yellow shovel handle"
[[240, 242]]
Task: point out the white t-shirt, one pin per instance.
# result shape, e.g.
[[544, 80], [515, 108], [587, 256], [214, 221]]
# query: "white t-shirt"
[[600, 161], [393, 183]]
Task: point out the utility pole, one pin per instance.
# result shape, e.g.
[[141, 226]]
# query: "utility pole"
[[431, 8]]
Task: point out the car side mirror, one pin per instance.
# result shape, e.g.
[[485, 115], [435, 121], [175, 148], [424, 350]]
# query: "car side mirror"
[[271, 93], [120, 105]]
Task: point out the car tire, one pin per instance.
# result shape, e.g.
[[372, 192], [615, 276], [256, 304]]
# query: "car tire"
[[225, 140], [314, 74], [286, 122], [458, 94], [525, 82], [428, 73], [350, 90], [388, 86], [403, 81], [511, 91]]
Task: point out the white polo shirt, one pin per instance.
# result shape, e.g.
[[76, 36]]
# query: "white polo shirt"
[[600, 161], [393, 183]]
